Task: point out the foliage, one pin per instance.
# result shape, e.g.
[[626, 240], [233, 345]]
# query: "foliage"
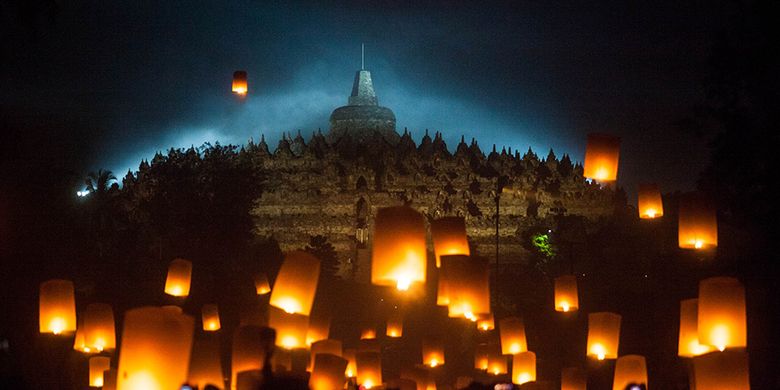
[[542, 244]]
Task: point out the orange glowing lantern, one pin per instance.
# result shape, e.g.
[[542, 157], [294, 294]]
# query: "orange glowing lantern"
[[722, 371], [481, 353], [250, 344], [350, 355], [566, 297], [155, 348], [395, 325], [368, 333], [173, 309], [319, 328], [486, 322], [210, 318], [261, 284], [99, 333], [79, 342], [601, 157], [603, 335], [512, 332], [432, 352], [57, 307], [332, 347], [468, 286], [398, 251], [97, 365], [328, 372], [629, 369], [179, 276], [290, 328], [442, 296], [497, 363], [449, 237], [240, 84], [573, 378], [205, 367], [688, 343], [649, 201], [296, 283], [722, 318], [109, 379], [697, 222], [422, 378], [369, 369], [523, 367], [281, 360]]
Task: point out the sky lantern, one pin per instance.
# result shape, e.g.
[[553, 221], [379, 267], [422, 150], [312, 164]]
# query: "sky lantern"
[[99, 332], [722, 371], [573, 378], [722, 318], [240, 84], [249, 347], [688, 342], [449, 237], [205, 366], [629, 369], [110, 379], [296, 283], [468, 281], [399, 253], [603, 335], [442, 296], [281, 360], [649, 201], [368, 333], [57, 307], [697, 222], [179, 276], [481, 353], [523, 367], [261, 284], [512, 332], [290, 328], [497, 363], [97, 365], [432, 352], [319, 328], [601, 157], [566, 297], [350, 355], [395, 325], [79, 342], [156, 344], [332, 347], [210, 317], [369, 369], [328, 372], [486, 322]]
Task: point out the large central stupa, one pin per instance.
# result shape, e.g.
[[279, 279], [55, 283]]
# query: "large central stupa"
[[363, 116]]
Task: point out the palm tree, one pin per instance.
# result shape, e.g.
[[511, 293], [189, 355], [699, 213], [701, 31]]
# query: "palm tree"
[[98, 183]]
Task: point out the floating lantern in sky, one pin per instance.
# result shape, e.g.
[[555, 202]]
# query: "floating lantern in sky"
[[296, 283], [442, 296], [328, 372], [99, 332], [368, 333], [722, 371], [449, 237], [369, 369], [261, 284], [722, 321], [697, 222], [523, 367], [349, 354], [566, 297], [512, 332], [481, 353], [603, 335], [629, 369], [398, 252], [97, 365], [210, 318], [290, 328], [79, 342], [468, 286], [649, 201], [688, 343], [602, 154], [319, 327], [432, 352], [110, 379], [332, 347], [179, 276], [573, 378], [395, 325], [205, 367], [156, 344], [249, 347], [240, 84], [486, 322], [57, 307], [497, 363]]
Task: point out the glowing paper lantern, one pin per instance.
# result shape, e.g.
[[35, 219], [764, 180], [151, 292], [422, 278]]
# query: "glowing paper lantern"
[[486, 322], [319, 327], [205, 366], [566, 297], [468, 286], [155, 347], [697, 223], [296, 283], [109, 379], [512, 332], [210, 318], [350, 355], [573, 378], [240, 85], [688, 343], [432, 352], [250, 344], [629, 369], [281, 360], [328, 372], [481, 353], [722, 371], [649, 201], [603, 335], [97, 365], [498, 363], [395, 325], [368, 333], [369, 369], [449, 237], [722, 318], [601, 157], [57, 307], [79, 342], [179, 276], [398, 251], [523, 367], [99, 333], [261, 284], [173, 309], [290, 328], [442, 296], [332, 347]]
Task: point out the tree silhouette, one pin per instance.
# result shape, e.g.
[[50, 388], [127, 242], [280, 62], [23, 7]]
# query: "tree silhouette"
[[324, 250]]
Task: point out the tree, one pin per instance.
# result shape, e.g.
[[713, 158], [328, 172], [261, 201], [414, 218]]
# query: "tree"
[[324, 250]]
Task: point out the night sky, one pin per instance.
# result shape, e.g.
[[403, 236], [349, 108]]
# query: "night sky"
[[130, 78]]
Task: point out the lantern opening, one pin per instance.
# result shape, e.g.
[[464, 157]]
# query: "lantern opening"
[[403, 283], [565, 306], [434, 362], [523, 378], [599, 351], [57, 325]]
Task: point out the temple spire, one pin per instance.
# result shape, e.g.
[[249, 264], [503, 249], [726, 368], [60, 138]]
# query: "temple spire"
[[362, 56]]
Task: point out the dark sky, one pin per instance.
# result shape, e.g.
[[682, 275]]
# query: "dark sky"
[[134, 77]]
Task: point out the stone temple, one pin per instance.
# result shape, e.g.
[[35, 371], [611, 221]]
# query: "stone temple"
[[333, 185]]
